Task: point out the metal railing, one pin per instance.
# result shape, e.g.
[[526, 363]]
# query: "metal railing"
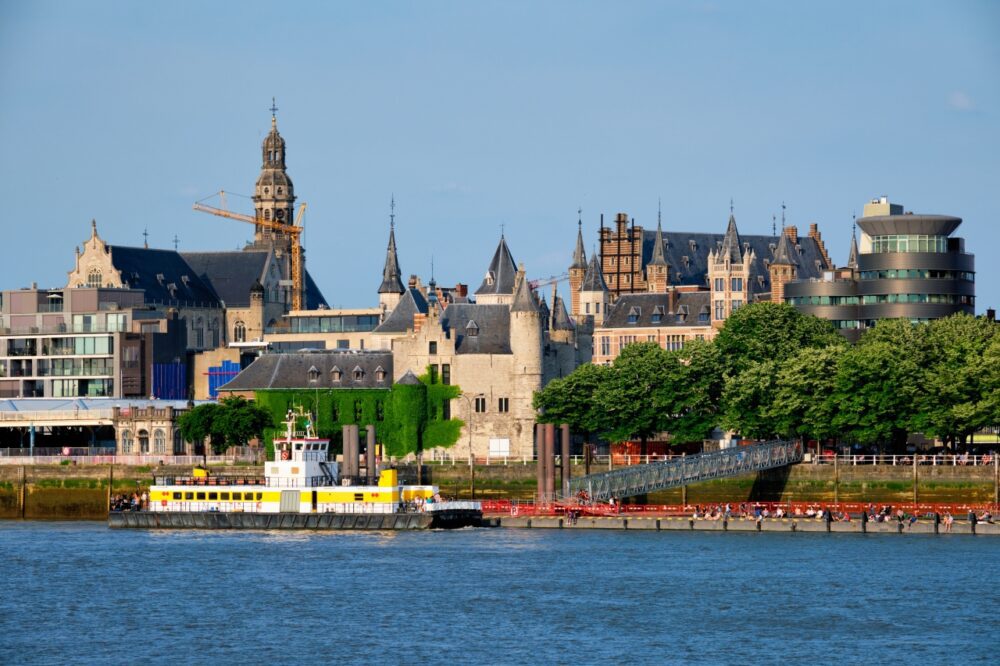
[[643, 479], [949, 460], [112, 459]]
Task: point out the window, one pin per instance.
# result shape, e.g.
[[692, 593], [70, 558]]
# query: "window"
[[127, 442], [586, 308], [239, 332], [176, 496], [737, 284], [720, 310], [313, 373], [379, 374], [335, 375], [674, 343], [446, 374], [433, 373], [213, 496], [224, 497], [605, 345], [472, 329], [116, 322], [200, 496], [720, 284], [189, 495], [480, 405], [633, 315], [359, 374], [159, 441], [144, 442], [432, 347], [503, 405], [737, 304], [178, 443], [94, 278]]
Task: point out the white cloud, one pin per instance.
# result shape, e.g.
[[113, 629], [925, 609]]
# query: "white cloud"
[[959, 100]]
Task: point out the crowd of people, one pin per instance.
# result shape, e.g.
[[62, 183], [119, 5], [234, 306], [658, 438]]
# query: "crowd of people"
[[133, 502]]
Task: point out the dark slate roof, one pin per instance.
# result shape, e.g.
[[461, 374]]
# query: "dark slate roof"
[[644, 306], [314, 297], [852, 258], [141, 267], [593, 279], [400, 320], [409, 379], [231, 274], [492, 322], [291, 371], [687, 255], [785, 254], [579, 254], [499, 277], [391, 281], [657, 258], [524, 298], [731, 243]]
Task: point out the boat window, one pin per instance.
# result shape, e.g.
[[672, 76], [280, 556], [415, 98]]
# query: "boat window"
[[200, 496], [237, 496], [177, 495], [298, 446], [224, 496], [188, 496], [359, 497], [260, 496]]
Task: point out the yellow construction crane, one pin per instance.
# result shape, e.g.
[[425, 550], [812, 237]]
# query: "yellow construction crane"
[[294, 230]]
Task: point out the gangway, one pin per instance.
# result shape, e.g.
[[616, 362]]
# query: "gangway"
[[643, 479]]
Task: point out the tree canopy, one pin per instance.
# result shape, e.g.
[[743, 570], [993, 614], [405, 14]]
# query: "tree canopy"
[[233, 421]]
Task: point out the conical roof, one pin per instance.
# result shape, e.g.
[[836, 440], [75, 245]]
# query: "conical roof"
[[593, 279], [499, 278], [391, 281], [658, 259], [524, 299], [852, 258], [731, 247], [785, 254], [579, 254], [560, 316]]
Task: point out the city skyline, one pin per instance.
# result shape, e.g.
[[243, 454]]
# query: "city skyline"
[[489, 117]]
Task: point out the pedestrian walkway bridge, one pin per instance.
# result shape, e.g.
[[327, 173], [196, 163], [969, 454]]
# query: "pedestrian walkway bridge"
[[643, 479]]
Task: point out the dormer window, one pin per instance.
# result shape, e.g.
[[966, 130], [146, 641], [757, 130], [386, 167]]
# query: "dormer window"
[[335, 374], [359, 374], [682, 314], [490, 277], [703, 316], [313, 374], [633, 315], [159, 278], [379, 374], [472, 329], [657, 314]]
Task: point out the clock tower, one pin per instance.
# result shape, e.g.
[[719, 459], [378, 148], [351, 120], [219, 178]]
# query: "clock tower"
[[274, 194]]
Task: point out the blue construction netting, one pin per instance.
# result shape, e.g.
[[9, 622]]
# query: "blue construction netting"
[[221, 374], [169, 381]]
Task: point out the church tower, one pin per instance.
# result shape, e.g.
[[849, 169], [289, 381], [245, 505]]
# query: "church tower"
[[274, 195], [391, 289], [783, 268], [577, 270]]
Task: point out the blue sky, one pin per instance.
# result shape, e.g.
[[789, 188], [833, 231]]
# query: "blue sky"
[[481, 114]]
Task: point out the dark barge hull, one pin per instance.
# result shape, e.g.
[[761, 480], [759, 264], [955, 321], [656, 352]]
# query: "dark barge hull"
[[215, 520]]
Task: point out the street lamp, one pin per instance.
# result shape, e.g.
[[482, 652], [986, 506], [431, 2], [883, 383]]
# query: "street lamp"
[[472, 468]]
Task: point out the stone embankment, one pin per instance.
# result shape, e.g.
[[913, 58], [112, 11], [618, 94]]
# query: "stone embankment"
[[675, 524]]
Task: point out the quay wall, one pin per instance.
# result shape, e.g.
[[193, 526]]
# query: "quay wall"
[[82, 491]]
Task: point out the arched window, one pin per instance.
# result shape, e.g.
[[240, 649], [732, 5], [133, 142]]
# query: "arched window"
[[159, 441], [213, 337], [94, 277], [178, 443], [127, 442], [143, 441], [239, 332], [267, 214]]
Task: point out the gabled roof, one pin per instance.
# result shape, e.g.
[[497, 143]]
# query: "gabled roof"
[[400, 320], [292, 371], [643, 307], [579, 254], [499, 277], [493, 322], [593, 279], [142, 268], [785, 254], [391, 280], [731, 244]]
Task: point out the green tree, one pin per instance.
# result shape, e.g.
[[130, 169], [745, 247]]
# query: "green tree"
[[803, 404], [571, 400], [770, 332], [988, 404], [202, 422], [239, 421], [626, 397], [747, 401], [951, 385], [695, 393]]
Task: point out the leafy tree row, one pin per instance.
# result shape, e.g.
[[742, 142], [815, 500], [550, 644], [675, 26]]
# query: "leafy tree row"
[[774, 372]]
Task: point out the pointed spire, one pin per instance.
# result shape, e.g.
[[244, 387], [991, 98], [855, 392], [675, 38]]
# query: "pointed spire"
[[391, 281], [785, 254], [560, 316], [93, 228], [499, 278], [579, 254], [524, 299], [658, 259], [852, 258], [594, 278], [731, 247]]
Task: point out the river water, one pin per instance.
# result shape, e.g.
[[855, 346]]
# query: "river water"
[[81, 593]]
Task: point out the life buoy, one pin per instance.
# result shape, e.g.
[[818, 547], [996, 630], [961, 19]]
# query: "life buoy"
[[163, 502], [284, 455], [513, 510]]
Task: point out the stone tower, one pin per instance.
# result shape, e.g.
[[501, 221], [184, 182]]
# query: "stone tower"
[[274, 194], [657, 268], [391, 289], [729, 274], [577, 270], [526, 346], [594, 295], [783, 268]]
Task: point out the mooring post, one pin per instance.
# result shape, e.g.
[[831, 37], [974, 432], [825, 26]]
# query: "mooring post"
[[915, 479], [550, 461], [370, 454], [564, 458]]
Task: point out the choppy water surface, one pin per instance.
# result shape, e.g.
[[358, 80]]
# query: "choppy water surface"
[[78, 592]]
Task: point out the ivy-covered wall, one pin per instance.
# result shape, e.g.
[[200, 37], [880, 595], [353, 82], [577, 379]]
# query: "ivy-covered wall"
[[406, 417]]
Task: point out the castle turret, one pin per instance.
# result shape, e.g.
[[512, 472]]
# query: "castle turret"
[[577, 270], [499, 281], [657, 268], [729, 274], [783, 268], [391, 289], [526, 345], [594, 295]]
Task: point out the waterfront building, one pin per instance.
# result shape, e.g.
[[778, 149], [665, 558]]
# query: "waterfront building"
[[905, 266]]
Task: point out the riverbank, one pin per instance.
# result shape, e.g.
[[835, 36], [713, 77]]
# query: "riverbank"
[[81, 492]]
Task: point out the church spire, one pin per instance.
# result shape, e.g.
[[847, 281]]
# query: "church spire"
[[391, 282], [784, 254], [658, 259], [579, 254], [731, 247], [852, 258]]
